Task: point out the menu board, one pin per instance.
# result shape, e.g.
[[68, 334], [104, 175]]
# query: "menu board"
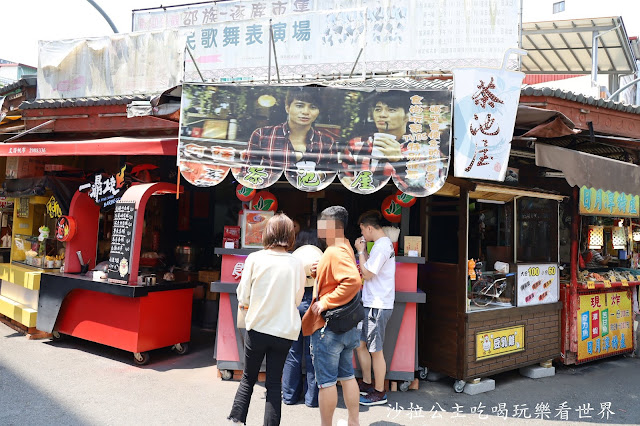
[[537, 283], [121, 242]]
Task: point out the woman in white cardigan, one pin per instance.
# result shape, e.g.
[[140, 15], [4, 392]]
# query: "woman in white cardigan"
[[270, 290]]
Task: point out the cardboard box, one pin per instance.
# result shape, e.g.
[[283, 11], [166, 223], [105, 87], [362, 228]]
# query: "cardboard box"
[[23, 167], [412, 243]]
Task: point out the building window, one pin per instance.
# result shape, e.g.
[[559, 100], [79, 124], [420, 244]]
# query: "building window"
[[558, 7]]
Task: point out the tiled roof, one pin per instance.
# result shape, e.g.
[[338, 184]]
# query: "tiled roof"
[[83, 102], [581, 98], [23, 82]]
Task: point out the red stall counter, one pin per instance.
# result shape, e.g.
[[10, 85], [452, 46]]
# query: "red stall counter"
[[400, 346]]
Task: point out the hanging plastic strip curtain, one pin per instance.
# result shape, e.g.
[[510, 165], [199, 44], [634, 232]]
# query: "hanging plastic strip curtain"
[[313, 135]]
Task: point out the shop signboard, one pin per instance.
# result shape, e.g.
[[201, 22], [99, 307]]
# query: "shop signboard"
[[486, 102], [598, 202], [106, 191], [538, 283], [122, 239], [605, 324], [230, 40], [53, 208], [314, 135], [503, 341]]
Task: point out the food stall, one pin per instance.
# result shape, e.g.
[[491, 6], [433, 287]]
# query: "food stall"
[[118, 307], [482, 321], [338, 167], [598, 298]]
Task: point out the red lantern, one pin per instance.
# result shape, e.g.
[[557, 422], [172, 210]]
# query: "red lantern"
[[264, 201], [391, 210], [245, 194], [405, 200], [66, 228]]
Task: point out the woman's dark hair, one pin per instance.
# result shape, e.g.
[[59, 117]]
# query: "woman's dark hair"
[[279, 232], [304, 94], [308, 237]]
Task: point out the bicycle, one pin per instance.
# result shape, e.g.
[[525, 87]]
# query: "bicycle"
[[486, 290]]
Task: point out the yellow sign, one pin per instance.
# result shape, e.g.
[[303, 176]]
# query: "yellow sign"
[[605, 324], [607, 284], [598, 202], [504, 341], [591, 285], [53, 208]]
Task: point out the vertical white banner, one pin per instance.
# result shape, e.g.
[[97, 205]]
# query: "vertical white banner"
[[485, 106]]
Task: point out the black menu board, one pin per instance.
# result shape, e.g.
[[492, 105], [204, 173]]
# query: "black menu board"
[[121, 242]]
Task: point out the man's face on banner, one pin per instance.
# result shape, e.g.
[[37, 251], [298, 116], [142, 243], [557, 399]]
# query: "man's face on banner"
[[390, 119], [302, 113]]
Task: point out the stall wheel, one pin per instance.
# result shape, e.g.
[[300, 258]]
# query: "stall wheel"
[[141, 358], [404, 386], [181, 348], [423, 372], [56, 335], [458, 386], [226, 374]]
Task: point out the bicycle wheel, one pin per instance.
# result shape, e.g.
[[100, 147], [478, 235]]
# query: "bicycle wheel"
[[479, 293]]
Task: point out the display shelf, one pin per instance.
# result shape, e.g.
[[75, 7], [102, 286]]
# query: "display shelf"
[[599, 285]]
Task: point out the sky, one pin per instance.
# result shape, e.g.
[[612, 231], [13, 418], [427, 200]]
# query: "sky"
[[27, 21]]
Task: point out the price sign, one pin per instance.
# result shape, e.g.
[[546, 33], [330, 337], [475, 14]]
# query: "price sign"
[[625, 283], [607, 284], [631, 278], [591, 285], [638, 278], [124, 219], [537, 283]]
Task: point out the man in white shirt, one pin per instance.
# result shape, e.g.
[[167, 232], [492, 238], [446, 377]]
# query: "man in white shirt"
[[378, 294]]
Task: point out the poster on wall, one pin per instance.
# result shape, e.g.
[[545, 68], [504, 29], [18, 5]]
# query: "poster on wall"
[[486, 102], [315, 135], [605, 324], [538, 284], [230, 39]]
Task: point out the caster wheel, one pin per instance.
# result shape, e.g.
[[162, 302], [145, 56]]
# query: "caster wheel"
[[226, 374], [141, 358], [423, 372], [181, 348], [404, 386], [458, 386], [56, 336]]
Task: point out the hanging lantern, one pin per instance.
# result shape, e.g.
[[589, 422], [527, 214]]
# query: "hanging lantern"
[[405, 200], [264, 201], [391, 210], [618, 238], [596, 237], [245, 194]]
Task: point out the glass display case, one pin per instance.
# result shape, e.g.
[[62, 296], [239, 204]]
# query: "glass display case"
[[46, 254]]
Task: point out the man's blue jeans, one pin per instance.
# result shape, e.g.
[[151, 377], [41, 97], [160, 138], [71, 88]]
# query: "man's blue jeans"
[[293, 382]]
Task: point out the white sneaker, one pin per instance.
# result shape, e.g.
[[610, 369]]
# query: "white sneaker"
[[343, 422]]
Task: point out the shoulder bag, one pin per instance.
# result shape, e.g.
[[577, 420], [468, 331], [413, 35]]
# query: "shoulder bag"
[[345, 317]]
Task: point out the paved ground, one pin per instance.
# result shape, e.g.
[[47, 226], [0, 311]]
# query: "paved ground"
[[74, 382]]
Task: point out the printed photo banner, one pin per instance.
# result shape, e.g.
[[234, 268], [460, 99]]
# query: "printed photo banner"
[[598, 202], [396, 35], [312, 135], [606, 324], [486, 102]]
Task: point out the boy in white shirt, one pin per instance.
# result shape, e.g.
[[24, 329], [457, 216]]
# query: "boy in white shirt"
[[378, 294]]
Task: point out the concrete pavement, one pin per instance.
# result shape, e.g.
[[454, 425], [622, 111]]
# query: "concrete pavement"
[[75, 382]]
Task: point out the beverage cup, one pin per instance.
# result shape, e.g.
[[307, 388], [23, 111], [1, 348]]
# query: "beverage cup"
[[375, 152]]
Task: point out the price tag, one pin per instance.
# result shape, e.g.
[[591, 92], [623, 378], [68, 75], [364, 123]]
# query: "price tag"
[[591, 285], [631, 278], [638, 278], [625, 283], [607, 284]]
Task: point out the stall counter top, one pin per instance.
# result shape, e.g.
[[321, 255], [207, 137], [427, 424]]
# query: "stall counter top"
[[247, 251], [88, 283]]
